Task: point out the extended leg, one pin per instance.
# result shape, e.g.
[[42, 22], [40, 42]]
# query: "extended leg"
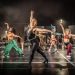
[[34, 48], [17, 48], [40, 51], [8, 48]]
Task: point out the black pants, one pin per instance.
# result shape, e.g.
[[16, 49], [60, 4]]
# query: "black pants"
[[37, 48]]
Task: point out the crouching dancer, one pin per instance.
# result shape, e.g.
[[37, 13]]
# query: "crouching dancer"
[[12, 43]]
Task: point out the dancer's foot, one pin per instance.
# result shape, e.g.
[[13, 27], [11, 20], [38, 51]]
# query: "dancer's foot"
[[46, 61], [29, 65], [68, 57]]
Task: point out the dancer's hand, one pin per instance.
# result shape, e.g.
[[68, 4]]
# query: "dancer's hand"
[[6, 23], [32, 12], [31, 16]]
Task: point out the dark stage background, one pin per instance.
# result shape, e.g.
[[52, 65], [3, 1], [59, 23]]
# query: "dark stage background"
[[17, 13]]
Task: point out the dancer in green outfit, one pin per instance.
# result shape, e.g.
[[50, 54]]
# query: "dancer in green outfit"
[[12, 43]]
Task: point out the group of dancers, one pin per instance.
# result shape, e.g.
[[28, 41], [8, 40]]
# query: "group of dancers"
[[33, 37]]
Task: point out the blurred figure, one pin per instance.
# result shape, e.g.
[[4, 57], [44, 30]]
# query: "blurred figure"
[[12, 43], [53, 43], [67, 39], [34, 38]]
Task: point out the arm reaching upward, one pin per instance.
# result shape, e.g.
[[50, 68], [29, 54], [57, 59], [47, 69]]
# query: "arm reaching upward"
[[7, 25], [7, 28], [31, 15], [62, 28]]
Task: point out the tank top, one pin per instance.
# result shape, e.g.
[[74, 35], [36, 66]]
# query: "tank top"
[[66, 37], [33, 37], [70, 38]]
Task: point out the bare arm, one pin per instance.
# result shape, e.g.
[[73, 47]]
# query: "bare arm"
[[31, 15], [42, 30], [7, 25], [17, 36], [73, 35], [62, 28], [7, 28]]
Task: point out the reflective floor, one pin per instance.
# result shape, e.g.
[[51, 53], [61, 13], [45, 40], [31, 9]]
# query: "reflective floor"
[[58, 64]]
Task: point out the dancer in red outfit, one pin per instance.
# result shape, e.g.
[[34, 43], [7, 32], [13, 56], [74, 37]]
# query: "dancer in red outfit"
[[67, 39]]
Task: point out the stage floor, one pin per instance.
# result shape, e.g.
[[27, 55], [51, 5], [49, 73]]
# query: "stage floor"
[[58, 64]]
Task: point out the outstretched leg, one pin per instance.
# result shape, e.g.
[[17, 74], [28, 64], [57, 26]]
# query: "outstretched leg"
[[40, 51], [8, 48], [17, 48], [34, 48]]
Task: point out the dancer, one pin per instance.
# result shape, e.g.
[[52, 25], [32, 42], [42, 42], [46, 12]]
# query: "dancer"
[[68, 39], [12, 43], [34, 38], [53, 43]]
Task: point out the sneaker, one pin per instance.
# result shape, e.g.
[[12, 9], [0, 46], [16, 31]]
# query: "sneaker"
[[68, 56]]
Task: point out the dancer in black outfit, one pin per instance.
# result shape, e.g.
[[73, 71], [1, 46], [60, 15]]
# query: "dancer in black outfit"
[[35, 43], [34, 38]]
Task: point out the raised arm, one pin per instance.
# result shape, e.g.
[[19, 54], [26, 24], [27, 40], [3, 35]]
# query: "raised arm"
[[62, 28], [7, 26], [31, 15]]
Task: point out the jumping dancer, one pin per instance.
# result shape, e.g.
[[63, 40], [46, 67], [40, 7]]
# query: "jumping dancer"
[[34, 39], [12, 43]]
